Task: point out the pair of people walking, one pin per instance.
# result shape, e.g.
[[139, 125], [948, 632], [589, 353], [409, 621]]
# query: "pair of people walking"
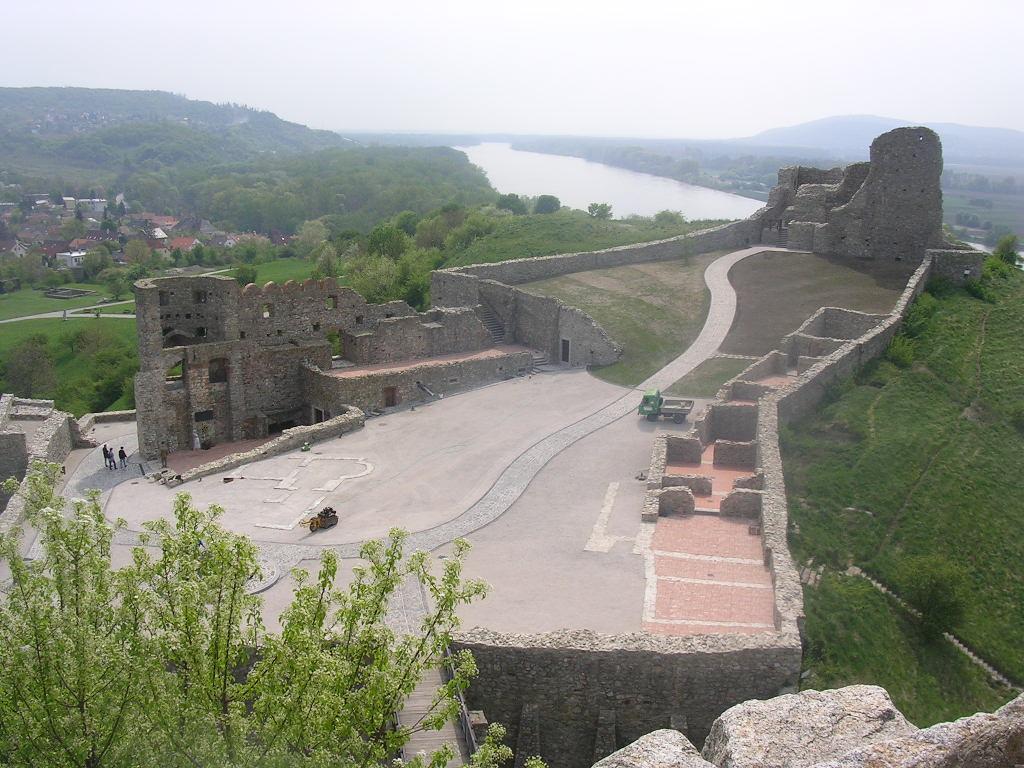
[[110, 459]]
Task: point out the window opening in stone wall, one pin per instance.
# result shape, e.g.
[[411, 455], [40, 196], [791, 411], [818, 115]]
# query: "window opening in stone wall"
[[390, 397], [174, 372], [199, 297], [316, 327], [218, 370], [268, 310], [203, 415], [241, 334], [164, 299], [337, 345], [331, 302], [200, 332], [359, 319]]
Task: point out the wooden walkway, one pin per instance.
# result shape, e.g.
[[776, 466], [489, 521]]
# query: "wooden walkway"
[[416, 706]]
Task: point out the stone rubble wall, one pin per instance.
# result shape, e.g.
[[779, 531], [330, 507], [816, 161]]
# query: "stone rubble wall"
[[853, 727], [736, 455], [51, 442], [89, 420], [331, 393], [289, 440], [649, 681]]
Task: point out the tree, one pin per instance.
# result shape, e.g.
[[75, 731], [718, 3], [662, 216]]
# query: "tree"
[[375, 278], [137, 252], [326, 263], [600, 210], [387, 240], [309, 238], [547, 204], [72, 229], [934, 586], [116, 282], [1006, 250], [95, 261], [28, 367], [407, 221], [245, 274], [165, 661], [512, 202], [668, 218]]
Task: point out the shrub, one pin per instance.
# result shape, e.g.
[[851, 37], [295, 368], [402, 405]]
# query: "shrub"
[[934, 586], [245, 274], [900, 351], [995, 268], [920, 315], [512, 202], [547, 204], [979, 290], [1006, 250], [939, 286]]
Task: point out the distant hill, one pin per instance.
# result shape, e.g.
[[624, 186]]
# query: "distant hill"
[[850, 136], [46, 130]]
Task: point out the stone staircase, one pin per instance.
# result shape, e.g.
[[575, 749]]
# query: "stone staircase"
[[492, 324], [776, 237], [539, 360], [416, 706]]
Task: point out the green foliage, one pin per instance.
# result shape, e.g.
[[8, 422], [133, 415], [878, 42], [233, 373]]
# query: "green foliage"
[[387, 240], [116, 281], [476, 225], [920, 315], [245, 274], [1006, 250], [512, 203], [900, 351], [924, 461], [547, 204], [71, 229], [407, 221], [979, 290], [856, 635], [669, 218], [600, 210], [28, 367], [995, 269], [939, 286], [166, 662], [934, 586]]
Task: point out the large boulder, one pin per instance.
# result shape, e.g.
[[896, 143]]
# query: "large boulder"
[[659, 749], [981, 741], [803, 729]]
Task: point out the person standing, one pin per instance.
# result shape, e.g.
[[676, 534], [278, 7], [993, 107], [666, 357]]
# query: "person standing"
[[123, 457]]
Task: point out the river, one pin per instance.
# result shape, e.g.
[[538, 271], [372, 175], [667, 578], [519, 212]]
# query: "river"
[[577, 183]]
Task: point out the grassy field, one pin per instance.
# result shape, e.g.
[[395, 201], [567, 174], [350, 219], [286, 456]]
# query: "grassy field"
[[927, 460], [776, 292], [75, 373], [281, 271], [855, 634], [706, 379], [1006, 211], [566, 231], [653, 310], [31, 302]]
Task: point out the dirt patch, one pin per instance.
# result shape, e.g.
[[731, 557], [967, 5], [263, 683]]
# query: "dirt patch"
[[777, 291]]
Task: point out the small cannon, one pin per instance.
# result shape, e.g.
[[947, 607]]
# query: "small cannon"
[[325, 518]]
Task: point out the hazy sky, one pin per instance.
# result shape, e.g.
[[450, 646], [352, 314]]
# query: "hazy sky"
[[684, 68]]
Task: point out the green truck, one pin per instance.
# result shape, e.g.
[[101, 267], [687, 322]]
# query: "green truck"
[[654, 405]]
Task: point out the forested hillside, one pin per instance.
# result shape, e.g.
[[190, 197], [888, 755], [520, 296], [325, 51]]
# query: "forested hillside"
[[244, 169]]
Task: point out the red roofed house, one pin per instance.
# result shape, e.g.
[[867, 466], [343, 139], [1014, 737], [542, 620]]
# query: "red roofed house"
[[183, 244]]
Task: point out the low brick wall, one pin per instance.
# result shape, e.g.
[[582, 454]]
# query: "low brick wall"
[[288, 440], [735, 455], [699, 484], [742, 503]]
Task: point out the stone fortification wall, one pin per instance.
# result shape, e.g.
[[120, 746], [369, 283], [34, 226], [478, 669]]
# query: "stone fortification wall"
[[329, 393], [86, 422], [241, 351], [290, 439], [551, 690], [51, 441]]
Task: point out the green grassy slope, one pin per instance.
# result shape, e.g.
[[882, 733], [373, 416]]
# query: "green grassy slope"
[[927, 460]]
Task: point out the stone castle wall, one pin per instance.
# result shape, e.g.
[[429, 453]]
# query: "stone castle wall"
[[241, 352]]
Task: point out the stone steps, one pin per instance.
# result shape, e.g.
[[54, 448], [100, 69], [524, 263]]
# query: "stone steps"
[[493, 325]]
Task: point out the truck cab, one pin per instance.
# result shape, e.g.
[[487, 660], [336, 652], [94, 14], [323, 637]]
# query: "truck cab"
[[650, 405]]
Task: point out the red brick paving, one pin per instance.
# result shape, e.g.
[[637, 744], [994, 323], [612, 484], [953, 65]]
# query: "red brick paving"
[[751, 573], [778, 380], [707, 535], [182, 461], [714, 602]]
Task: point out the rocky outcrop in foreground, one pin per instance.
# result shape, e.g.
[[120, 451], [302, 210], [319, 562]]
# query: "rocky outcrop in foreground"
[[853, 727]]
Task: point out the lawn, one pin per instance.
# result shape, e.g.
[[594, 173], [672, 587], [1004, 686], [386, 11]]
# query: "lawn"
[[706, 379], [855, 634], [567, 231], [281, 271], [32, 302], [776, 292], [927, 460], [74, 372], [653, 310], [1005, 211]]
